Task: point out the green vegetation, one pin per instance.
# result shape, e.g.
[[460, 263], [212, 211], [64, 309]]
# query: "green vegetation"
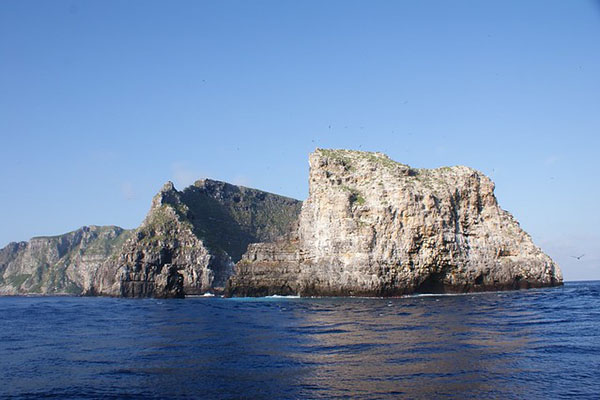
[[355, 195], [225, 217], [37, 288], [54, 279], [162, 224], [384, 160], [434, 179], [357, 198], [341, 157], [160, 217], [72, 288], [349, 157], [228, 217], [49, 274], [106, 243], [17, 280]]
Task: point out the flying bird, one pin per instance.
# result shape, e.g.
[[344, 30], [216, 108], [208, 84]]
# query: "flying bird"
[[578, 258]]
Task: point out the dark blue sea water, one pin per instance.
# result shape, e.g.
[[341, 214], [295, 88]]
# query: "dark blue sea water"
[[509, 345]]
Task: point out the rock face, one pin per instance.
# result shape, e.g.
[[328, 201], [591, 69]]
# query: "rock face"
[[370, 227], [190, 240], [375, 227], [187, 244], [63, 264]]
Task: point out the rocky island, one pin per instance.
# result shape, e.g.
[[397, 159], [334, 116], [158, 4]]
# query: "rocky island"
[[375, 227], [370, 227]]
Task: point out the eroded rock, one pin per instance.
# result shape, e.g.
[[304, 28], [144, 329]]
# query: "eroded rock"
[[189, 241], [375, 227], [62, 264]]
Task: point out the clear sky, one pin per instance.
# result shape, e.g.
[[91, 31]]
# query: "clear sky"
[[101, 102]]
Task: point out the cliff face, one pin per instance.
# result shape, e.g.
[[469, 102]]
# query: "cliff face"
[[63, 264], [187, 244], [190, 240], [371, 226]]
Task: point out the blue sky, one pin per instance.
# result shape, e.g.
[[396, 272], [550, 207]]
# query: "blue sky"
[[101, 102]]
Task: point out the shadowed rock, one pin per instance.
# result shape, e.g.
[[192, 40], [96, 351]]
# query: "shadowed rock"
[[190, 240], [370, 226]]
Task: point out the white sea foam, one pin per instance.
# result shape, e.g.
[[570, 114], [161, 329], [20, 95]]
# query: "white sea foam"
[[195, 296]]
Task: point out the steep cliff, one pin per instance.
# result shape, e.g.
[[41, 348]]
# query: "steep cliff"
[[187, 244], [375, 227], [190, 240], [63, 264], [370, 226]]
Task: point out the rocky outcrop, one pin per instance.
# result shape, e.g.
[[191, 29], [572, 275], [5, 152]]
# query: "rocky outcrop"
[[370, 227], [375, 227], [190, 240], [187, 244], [63, 264]]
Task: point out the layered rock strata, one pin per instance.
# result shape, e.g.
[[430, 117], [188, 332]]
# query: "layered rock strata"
[[63, 264], [190, 240], [187, 245], [371, 227], [375, 227]]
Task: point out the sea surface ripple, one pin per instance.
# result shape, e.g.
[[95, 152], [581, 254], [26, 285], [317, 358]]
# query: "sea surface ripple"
[[503, 345]]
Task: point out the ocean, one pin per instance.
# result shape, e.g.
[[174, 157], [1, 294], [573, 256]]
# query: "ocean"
[[531, 344]]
